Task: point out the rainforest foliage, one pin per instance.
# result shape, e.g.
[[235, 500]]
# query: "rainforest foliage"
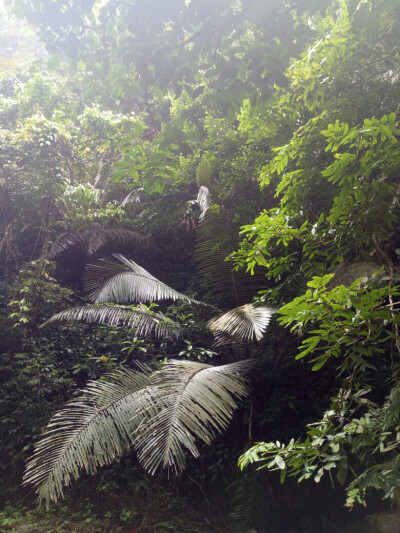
[[199, 249]]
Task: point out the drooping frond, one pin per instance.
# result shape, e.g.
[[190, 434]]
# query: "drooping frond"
[[94, 239], [127, 282], [64, 242], [346, 274], [87, 434], [193, 401], [160, 415], [245, 323], [99, 237], [143, 320], [214, 244]]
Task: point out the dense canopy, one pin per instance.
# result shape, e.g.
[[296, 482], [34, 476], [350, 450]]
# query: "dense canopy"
[[199, 250]]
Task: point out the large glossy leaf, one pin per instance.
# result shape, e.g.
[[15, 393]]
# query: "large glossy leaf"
[[244, 323], [87, 434], [140, 318], [193, 401]]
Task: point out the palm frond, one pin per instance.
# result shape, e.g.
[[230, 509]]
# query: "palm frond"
[[193, 401], [87, 434], [94, 239], [64, 242], [127, 282], [143, 320], [346, 274], [214, 244], [224, 341], [160, 415], [245, 323], [100, 237]]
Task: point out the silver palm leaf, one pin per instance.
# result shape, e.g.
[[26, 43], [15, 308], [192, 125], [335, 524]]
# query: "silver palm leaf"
[[245, 323], [127, 282], [144, 321], [193, 401], [87, 434], [161, 415]]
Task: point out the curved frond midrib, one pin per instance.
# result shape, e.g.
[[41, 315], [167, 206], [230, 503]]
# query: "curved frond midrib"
[[179, 400], [200, 408]]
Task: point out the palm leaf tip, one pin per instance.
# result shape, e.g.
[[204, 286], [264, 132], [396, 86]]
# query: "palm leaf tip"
[[245, 323], [204, 200], [87, 434], [193, 401]]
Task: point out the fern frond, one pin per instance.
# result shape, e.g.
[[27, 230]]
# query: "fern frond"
[[193, 401], [128, 282], [144, 321], [245, 323], [87, 434]]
